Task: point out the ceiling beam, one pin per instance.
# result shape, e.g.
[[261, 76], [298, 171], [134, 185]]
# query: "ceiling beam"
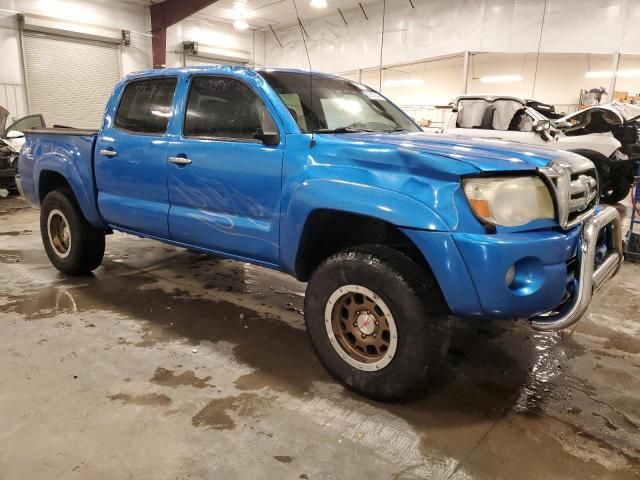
[[168, 13]]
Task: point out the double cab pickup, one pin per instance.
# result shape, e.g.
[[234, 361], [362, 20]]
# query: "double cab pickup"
[[326, 180]]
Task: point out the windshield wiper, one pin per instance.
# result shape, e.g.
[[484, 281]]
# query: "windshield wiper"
[[394, 130], [344, 130]]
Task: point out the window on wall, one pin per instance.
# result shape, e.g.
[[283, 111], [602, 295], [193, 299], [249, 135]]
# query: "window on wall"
[[145, 106], [221, 107]]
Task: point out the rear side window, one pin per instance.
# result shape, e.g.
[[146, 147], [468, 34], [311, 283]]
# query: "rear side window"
[[221, 107], [145, 106]]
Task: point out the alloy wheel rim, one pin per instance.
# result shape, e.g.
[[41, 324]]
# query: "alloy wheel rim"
[[59, 233], [361, 328]]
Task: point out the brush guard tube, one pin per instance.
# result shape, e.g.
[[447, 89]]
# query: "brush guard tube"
[[588, 278]]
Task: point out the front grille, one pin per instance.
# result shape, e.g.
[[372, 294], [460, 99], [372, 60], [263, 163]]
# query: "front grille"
[[575, 183], [583, 193]]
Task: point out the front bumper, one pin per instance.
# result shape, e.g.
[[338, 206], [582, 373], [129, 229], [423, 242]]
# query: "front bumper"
[[553, 271], [588, 278]]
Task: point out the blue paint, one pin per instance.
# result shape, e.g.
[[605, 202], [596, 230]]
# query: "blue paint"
[[250, 201]]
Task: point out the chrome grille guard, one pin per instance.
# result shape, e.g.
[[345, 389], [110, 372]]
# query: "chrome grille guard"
[[588, 278]]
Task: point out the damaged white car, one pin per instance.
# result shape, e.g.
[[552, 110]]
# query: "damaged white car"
[[606, 134], [11, 140]]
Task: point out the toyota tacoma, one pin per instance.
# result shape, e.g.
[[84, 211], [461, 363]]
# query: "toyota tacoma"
[[325, 179]]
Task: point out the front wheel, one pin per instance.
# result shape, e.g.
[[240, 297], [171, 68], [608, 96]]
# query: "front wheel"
[[617, 190], [378, 322], [72, 244]]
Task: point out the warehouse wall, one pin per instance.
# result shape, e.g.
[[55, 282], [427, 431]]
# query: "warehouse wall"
[[92, 17], [69, 14], [213, 35], [443, 27], [436, 28]]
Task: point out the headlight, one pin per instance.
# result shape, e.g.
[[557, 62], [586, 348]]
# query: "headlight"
[[509, 201]]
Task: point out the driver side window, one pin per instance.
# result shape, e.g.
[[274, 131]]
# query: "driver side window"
[[225, 108]]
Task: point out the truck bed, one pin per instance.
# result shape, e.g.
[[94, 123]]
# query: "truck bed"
[[62, 131], [67, 152]]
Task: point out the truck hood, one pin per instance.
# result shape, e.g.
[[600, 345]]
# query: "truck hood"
[[485, 155]]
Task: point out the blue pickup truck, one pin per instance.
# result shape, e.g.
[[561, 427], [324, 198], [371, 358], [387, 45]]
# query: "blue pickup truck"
[[325, 179]]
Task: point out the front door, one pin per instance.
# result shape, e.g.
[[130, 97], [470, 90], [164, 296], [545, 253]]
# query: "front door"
[[131, 158], [224, 185]]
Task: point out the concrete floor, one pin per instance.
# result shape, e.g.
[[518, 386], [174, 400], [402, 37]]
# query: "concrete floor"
[[168, 364]]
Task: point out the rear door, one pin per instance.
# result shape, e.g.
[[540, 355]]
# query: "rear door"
[[131, 158], [224, 185]]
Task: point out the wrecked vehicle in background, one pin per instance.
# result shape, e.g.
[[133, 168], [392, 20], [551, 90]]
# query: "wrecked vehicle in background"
[[620, 121], [11, 141], [602, 133]]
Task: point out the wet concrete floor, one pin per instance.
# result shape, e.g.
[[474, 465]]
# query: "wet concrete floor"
[[167, 364]]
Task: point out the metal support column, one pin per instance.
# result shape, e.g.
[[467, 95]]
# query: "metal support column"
[[614, 76], [465, 73], [165, 14]]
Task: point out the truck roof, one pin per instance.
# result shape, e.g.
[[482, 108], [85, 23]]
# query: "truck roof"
[[220, 69]]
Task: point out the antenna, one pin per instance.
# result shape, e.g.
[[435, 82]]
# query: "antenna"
[[384, 9], [535, 74], [304, 42]]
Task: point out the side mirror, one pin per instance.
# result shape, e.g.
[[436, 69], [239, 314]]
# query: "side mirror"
[[268, 133], [14, 134], [270, 139], [542, 126]]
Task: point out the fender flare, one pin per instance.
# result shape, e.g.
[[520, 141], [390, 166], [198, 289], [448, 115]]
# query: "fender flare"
[[339, 195], [61, 165], [594, 156]]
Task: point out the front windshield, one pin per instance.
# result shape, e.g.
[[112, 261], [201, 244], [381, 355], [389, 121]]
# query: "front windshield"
[[338, 105]]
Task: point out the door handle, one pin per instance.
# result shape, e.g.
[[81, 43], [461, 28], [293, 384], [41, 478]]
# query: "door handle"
[[108, 153], [180, 160]]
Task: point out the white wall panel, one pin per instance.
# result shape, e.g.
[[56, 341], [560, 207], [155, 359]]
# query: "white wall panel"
[[13, 98], [442, 27]]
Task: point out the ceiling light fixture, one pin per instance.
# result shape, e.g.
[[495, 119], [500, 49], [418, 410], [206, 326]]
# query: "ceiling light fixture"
[[501, 78], [241, 24], [319, 3], [405, 82], [628, 73], [598, 74]]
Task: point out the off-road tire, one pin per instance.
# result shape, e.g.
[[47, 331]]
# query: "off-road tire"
[[419, 312], [86, 247]]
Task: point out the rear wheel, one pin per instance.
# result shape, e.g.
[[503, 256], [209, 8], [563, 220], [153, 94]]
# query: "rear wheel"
[[72, 244], [378, 322]]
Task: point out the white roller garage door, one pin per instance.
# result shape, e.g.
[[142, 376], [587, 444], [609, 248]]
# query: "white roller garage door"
[[69, 80]]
